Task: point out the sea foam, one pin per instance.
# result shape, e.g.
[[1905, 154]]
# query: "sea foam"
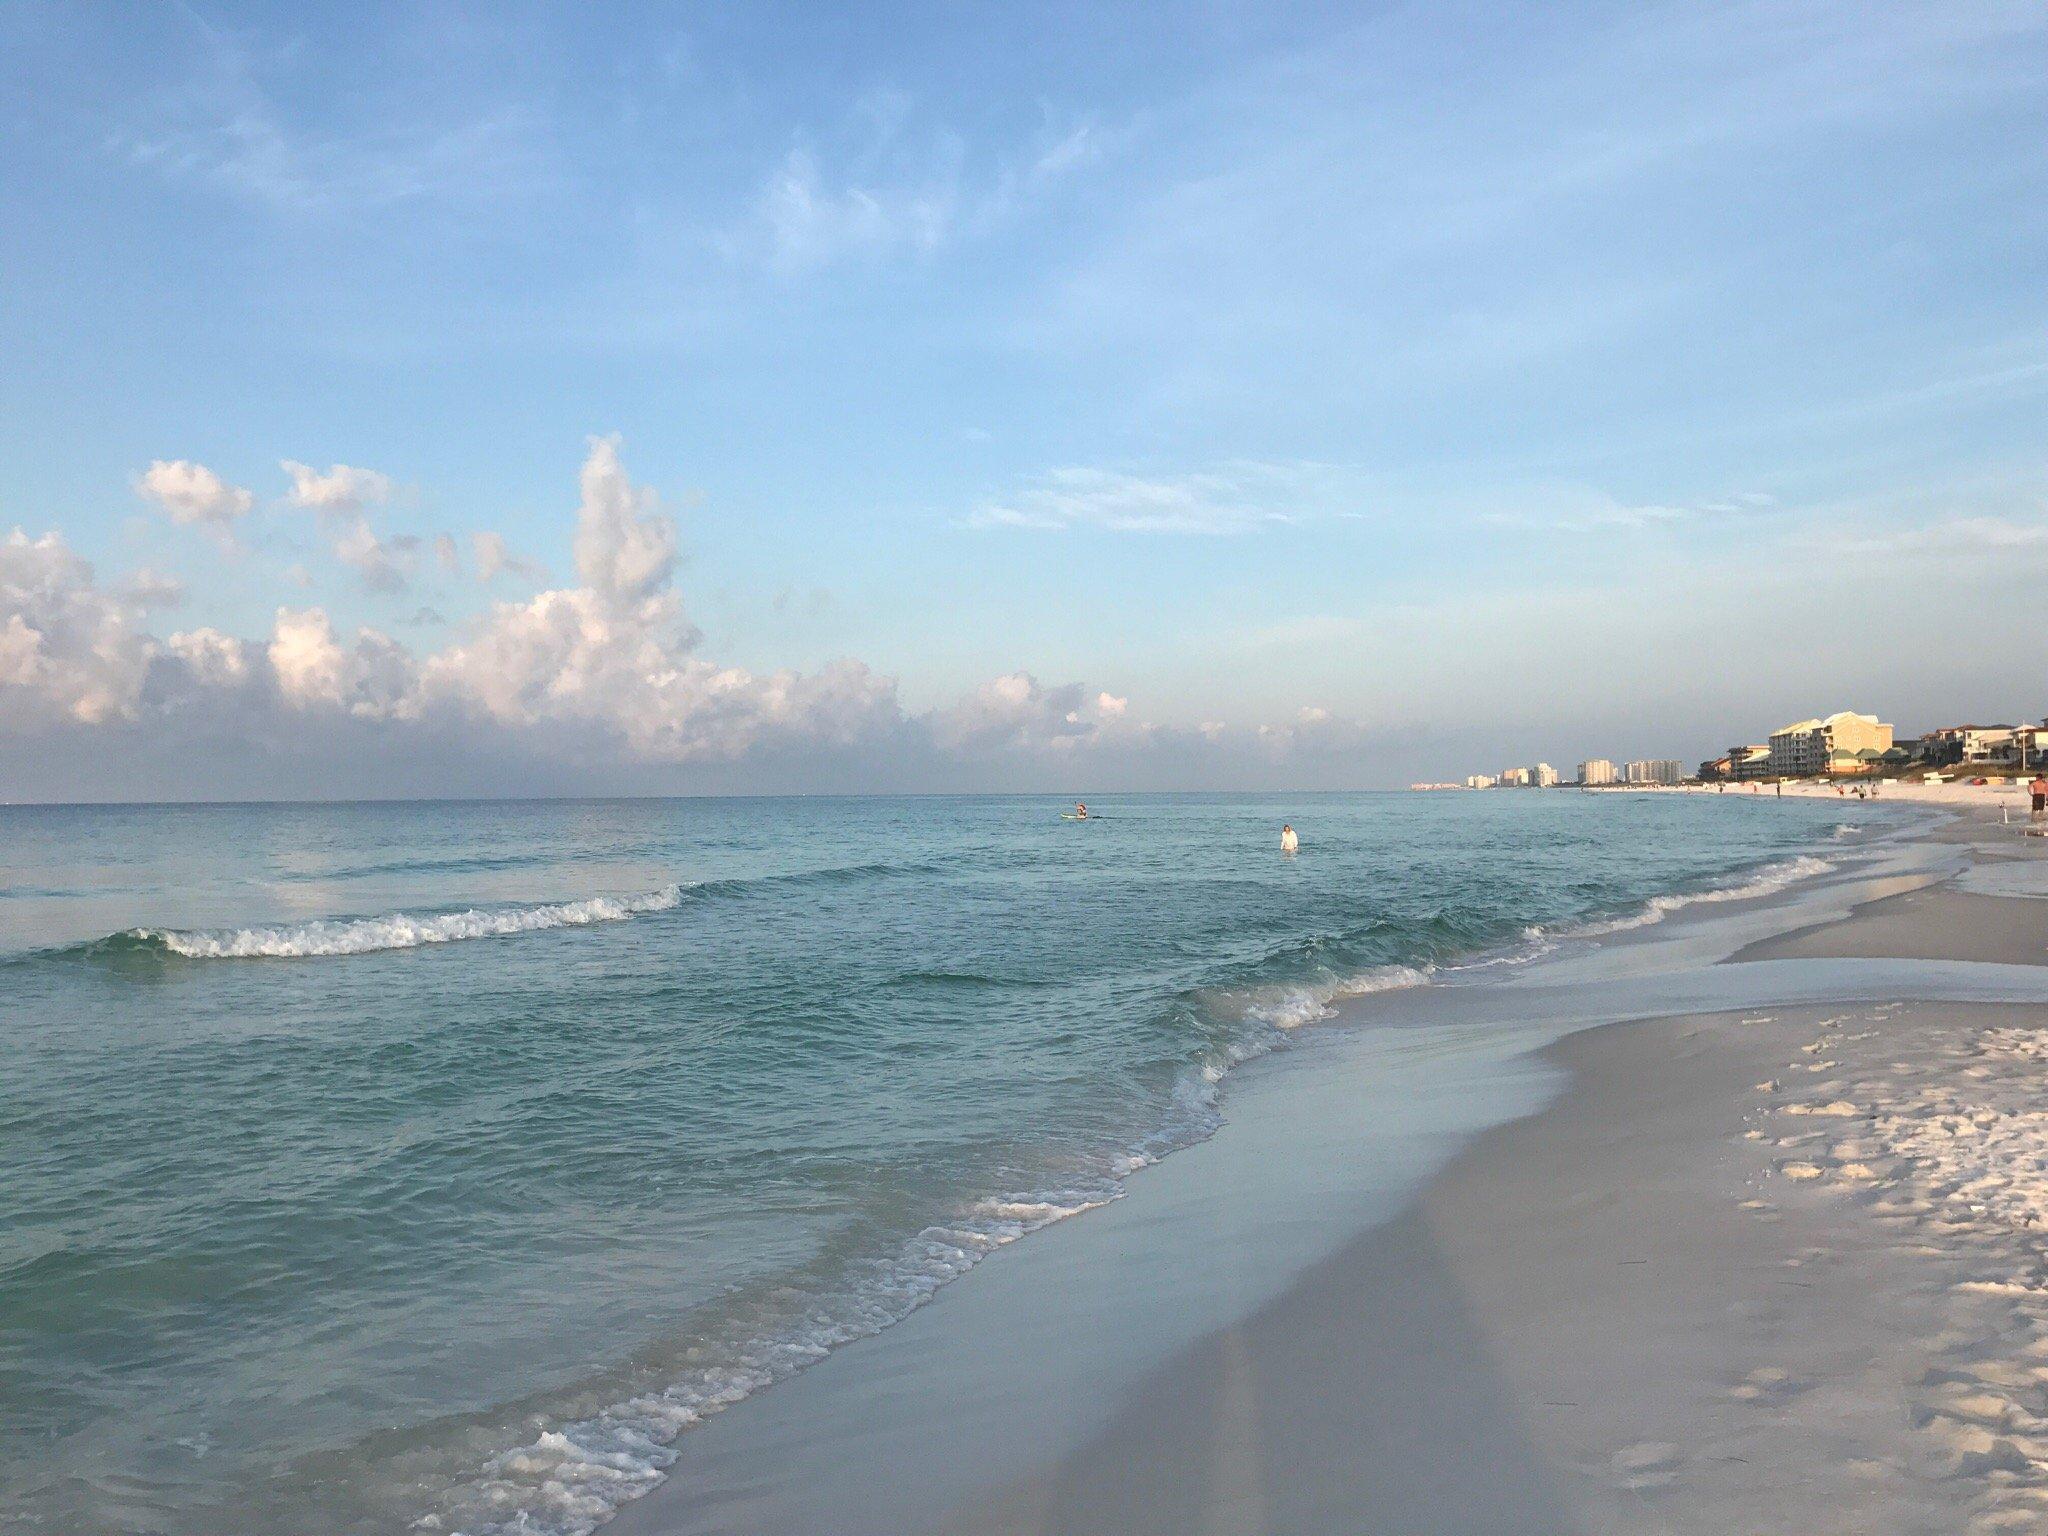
[[399, 930], [1766, 881]]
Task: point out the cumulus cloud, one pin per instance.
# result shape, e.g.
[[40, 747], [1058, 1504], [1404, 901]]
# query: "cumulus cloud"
[[67, 647], [210, 658], [609, 662], [617, 651], [1016, 712], [193, 496], [603, 674], [494, 558], [625, 549], [339, 494], [382, 565], [152, 589], [342, 488]]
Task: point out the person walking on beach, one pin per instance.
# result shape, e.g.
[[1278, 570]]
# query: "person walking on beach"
[[1289, 843], [2039, 790]]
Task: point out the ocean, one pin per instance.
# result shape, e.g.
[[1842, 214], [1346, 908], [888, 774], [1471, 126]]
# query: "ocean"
[[433, 1166]]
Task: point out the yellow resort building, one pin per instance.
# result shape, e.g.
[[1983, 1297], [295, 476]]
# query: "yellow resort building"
[[1842, 743]]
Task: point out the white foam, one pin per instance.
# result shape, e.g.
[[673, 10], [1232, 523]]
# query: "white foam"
[[574, 1476], [571, 1478], [400, 930], [1293, 1006], [1766, 881]]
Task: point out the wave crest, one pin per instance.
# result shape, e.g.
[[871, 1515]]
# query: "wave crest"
[[396, 930], [1771, 878]]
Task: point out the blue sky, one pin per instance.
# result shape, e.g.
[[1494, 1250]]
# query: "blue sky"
[[1431, 387]]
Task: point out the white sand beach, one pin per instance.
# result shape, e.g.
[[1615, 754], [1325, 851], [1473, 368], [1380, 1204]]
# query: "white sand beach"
[[1770, 1259]]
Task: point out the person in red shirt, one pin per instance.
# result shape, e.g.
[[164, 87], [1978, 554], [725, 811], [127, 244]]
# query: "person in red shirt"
[[2039, 790]]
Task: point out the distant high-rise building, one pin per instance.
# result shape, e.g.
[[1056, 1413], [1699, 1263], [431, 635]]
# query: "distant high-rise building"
[[1516, 776], [1596, 770], [1543, 776], [1480, 781], [1654, 770]]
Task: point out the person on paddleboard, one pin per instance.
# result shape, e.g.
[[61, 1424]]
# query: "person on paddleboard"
[[1080, 811]]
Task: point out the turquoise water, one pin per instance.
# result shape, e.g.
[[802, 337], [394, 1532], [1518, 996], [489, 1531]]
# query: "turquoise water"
[[432, 1166]]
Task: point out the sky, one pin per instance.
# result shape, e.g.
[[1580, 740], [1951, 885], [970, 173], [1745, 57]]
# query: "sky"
[[547, 399]]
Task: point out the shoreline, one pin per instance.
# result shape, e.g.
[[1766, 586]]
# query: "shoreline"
[[921, 1428]]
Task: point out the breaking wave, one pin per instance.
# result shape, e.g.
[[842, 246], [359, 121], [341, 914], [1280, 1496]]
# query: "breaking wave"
[[397, 930], [1766, 881]]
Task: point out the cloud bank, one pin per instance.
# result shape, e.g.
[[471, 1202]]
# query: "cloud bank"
[[599, 682]]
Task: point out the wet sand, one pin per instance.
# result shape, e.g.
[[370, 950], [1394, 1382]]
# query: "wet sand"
[[1757, 1268]]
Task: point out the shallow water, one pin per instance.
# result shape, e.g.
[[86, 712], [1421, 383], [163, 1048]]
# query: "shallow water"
[[381, 1165]]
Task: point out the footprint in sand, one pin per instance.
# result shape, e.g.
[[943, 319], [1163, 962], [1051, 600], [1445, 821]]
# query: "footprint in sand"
[[1648, 1464], [1767, 1383]]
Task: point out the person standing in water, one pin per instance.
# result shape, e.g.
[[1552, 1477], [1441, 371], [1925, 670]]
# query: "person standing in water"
[[1289, 843]]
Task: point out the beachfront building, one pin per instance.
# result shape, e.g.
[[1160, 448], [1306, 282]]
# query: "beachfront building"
[[1480, 781], [1654, 770], [2032, 741], [1516, 777], [1596, 770], [1749, 762], [1969, 743], [1543, 776], [1807, 748]]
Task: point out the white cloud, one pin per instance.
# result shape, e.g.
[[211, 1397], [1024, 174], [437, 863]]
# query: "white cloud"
[[374, 677], [383, 565], [1017, 713], [601, 675], [1579, 510], [809, 224], [625, 550], [213, 659], [494, 557], [617, 651], [152, 589], [195, 497], [342, 488], [339, 495], [233, 124], [890, 186], [67, 647], [1234, 498]]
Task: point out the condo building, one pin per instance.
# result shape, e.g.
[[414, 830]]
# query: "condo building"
[[1842, 743], [1596, 770], [1750, 762], [1543, 776], [1654, 770]]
